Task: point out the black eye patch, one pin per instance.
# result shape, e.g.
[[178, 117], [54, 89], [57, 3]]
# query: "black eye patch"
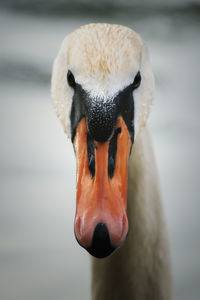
[[70, 79], [137, 80]]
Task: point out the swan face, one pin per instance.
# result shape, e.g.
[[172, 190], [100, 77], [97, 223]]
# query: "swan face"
[[102, 86]]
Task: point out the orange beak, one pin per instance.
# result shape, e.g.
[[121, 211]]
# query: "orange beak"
[[101, 223]]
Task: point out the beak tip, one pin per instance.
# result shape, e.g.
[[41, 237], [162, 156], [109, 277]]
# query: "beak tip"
[[101, 246], [101, 239]]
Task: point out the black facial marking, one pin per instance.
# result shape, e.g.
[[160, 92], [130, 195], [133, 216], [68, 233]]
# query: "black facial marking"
[[137, 80], [101, 116], [91, 155], [126, 109], [71, 79], [112, 152], [78, 108]]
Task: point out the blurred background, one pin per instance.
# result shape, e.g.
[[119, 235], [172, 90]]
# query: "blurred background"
[[39, 257]]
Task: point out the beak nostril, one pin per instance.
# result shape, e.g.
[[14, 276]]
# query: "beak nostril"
[[91, 155], [111, 166], [112, 152], [91, 165]]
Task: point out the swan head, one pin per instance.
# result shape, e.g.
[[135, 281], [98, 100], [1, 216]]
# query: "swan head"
[[102, 87]]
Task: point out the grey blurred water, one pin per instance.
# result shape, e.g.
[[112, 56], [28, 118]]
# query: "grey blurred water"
[[39, 257]]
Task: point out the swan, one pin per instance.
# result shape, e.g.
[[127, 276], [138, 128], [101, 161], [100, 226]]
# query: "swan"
[[102, 88]]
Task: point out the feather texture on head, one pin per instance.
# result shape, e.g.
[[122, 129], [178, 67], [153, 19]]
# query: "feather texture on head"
[[104, 59]]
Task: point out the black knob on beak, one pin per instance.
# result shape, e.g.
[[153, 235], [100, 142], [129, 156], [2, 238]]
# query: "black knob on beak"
[[101, 118]]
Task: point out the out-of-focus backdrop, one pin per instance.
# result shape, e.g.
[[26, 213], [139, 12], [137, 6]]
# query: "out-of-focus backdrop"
[[39, 257]]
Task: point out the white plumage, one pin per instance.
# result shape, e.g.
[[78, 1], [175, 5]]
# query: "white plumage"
[[104, 59]]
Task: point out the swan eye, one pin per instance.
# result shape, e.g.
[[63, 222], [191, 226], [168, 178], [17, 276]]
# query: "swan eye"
[[70, 79], [137, 80]]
